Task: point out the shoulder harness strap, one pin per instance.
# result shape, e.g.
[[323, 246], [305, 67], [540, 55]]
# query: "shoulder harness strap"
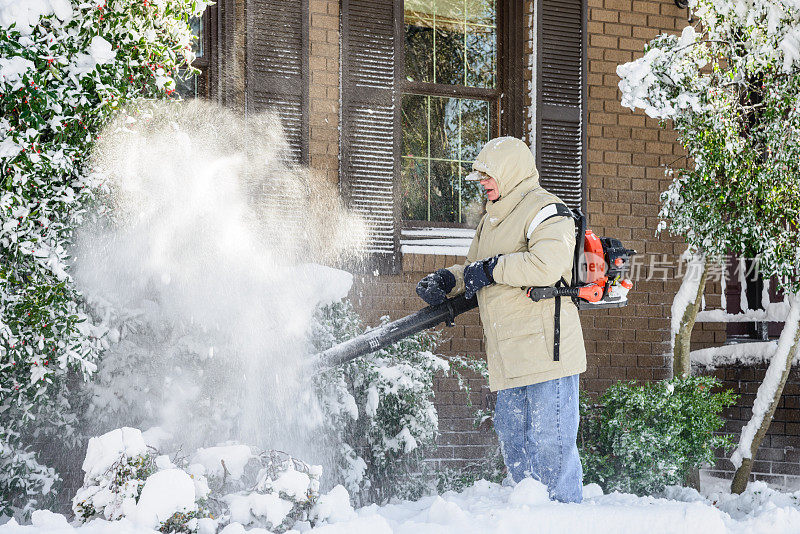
[[548, 212], [557, 322]]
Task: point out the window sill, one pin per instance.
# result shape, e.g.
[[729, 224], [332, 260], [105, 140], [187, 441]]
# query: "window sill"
[[436, 241]]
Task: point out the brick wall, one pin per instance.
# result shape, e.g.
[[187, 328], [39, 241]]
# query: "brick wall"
[[778, 460], [627, 155], [324, 88]]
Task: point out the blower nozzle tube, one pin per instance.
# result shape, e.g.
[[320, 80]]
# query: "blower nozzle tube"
[[392, 332]]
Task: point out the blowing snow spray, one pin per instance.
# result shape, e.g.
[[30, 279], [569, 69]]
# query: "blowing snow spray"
[[198, 267]]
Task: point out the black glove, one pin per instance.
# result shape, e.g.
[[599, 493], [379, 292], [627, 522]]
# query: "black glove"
[[434, 288], [478, 275]]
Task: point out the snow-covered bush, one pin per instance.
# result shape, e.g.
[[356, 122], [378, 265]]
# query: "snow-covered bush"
[[640, 438], [65, 66], [126, 478], [205, 492], [380, 411], [267, 489]]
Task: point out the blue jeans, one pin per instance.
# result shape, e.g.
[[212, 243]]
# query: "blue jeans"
[[538, 428]]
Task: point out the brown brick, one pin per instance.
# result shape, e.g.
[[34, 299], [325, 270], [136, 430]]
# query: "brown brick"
[[617, 56], [318, 6], [602, 66], [614, 28], [594, 28], [319, 20], [593, 53], [619, 5], [673, 11], [658, 21], [601, 143], [603, 41], [602, 118], [608, 93], [616, 131], [635, 45], [645, 7], [633, 146], [632, 18], [645, 33], [659, 148]]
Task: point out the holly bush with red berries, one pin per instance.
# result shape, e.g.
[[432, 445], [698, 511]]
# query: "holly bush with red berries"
[[65, 67]]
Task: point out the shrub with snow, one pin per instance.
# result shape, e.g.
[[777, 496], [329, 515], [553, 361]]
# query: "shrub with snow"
[[65, 66], [228, 484], [268, 490], [640, 438], [126, 478], [380, 411]]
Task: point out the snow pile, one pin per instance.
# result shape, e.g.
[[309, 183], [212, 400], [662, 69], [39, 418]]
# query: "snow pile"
[[487, 507], [116, 466], [255, 507], [735, 354], [164, 494], [99, 53], [227, 458], [103, 451]]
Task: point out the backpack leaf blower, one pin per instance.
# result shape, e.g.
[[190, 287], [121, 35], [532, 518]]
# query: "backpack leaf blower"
[[598, 268]]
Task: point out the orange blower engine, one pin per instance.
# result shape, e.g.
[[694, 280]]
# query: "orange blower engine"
[[598, 271]]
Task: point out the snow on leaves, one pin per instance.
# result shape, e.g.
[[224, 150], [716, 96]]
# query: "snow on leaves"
[[64, 69], [731, 88]]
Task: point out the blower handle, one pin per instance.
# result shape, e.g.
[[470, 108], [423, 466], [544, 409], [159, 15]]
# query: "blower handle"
[[589, 293]]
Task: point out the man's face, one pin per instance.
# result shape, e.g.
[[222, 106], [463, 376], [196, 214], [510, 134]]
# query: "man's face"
[[490, 186]]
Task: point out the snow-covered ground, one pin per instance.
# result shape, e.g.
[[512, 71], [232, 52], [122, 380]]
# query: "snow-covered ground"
[[490, 508]]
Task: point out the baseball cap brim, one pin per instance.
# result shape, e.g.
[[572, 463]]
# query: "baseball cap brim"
[[476, 176]]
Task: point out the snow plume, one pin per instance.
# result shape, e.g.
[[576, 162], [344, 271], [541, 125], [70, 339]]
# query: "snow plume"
[[204, 267]]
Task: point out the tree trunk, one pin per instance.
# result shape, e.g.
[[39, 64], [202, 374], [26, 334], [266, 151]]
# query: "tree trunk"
[[781, 363], [681, 363]]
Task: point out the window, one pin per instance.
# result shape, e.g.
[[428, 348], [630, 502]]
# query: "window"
[[196, 86], [450, 102], [756, 295], [422, 88]]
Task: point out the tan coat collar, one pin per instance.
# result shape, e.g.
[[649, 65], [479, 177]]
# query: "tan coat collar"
[[499, 210]]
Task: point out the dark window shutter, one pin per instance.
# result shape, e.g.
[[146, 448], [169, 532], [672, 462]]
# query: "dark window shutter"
[[370, 121], [560, 97], [277, 66]]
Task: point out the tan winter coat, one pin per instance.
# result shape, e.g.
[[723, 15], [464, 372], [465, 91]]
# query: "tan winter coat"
[[519, 332]]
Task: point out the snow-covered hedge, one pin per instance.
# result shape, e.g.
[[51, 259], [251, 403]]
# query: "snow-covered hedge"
[[65, 66], [639, 438]]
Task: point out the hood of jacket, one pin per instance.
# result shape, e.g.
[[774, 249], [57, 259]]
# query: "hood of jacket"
[[509, 161]]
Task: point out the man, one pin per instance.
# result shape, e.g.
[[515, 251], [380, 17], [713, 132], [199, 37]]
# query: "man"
[[524, 241]]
